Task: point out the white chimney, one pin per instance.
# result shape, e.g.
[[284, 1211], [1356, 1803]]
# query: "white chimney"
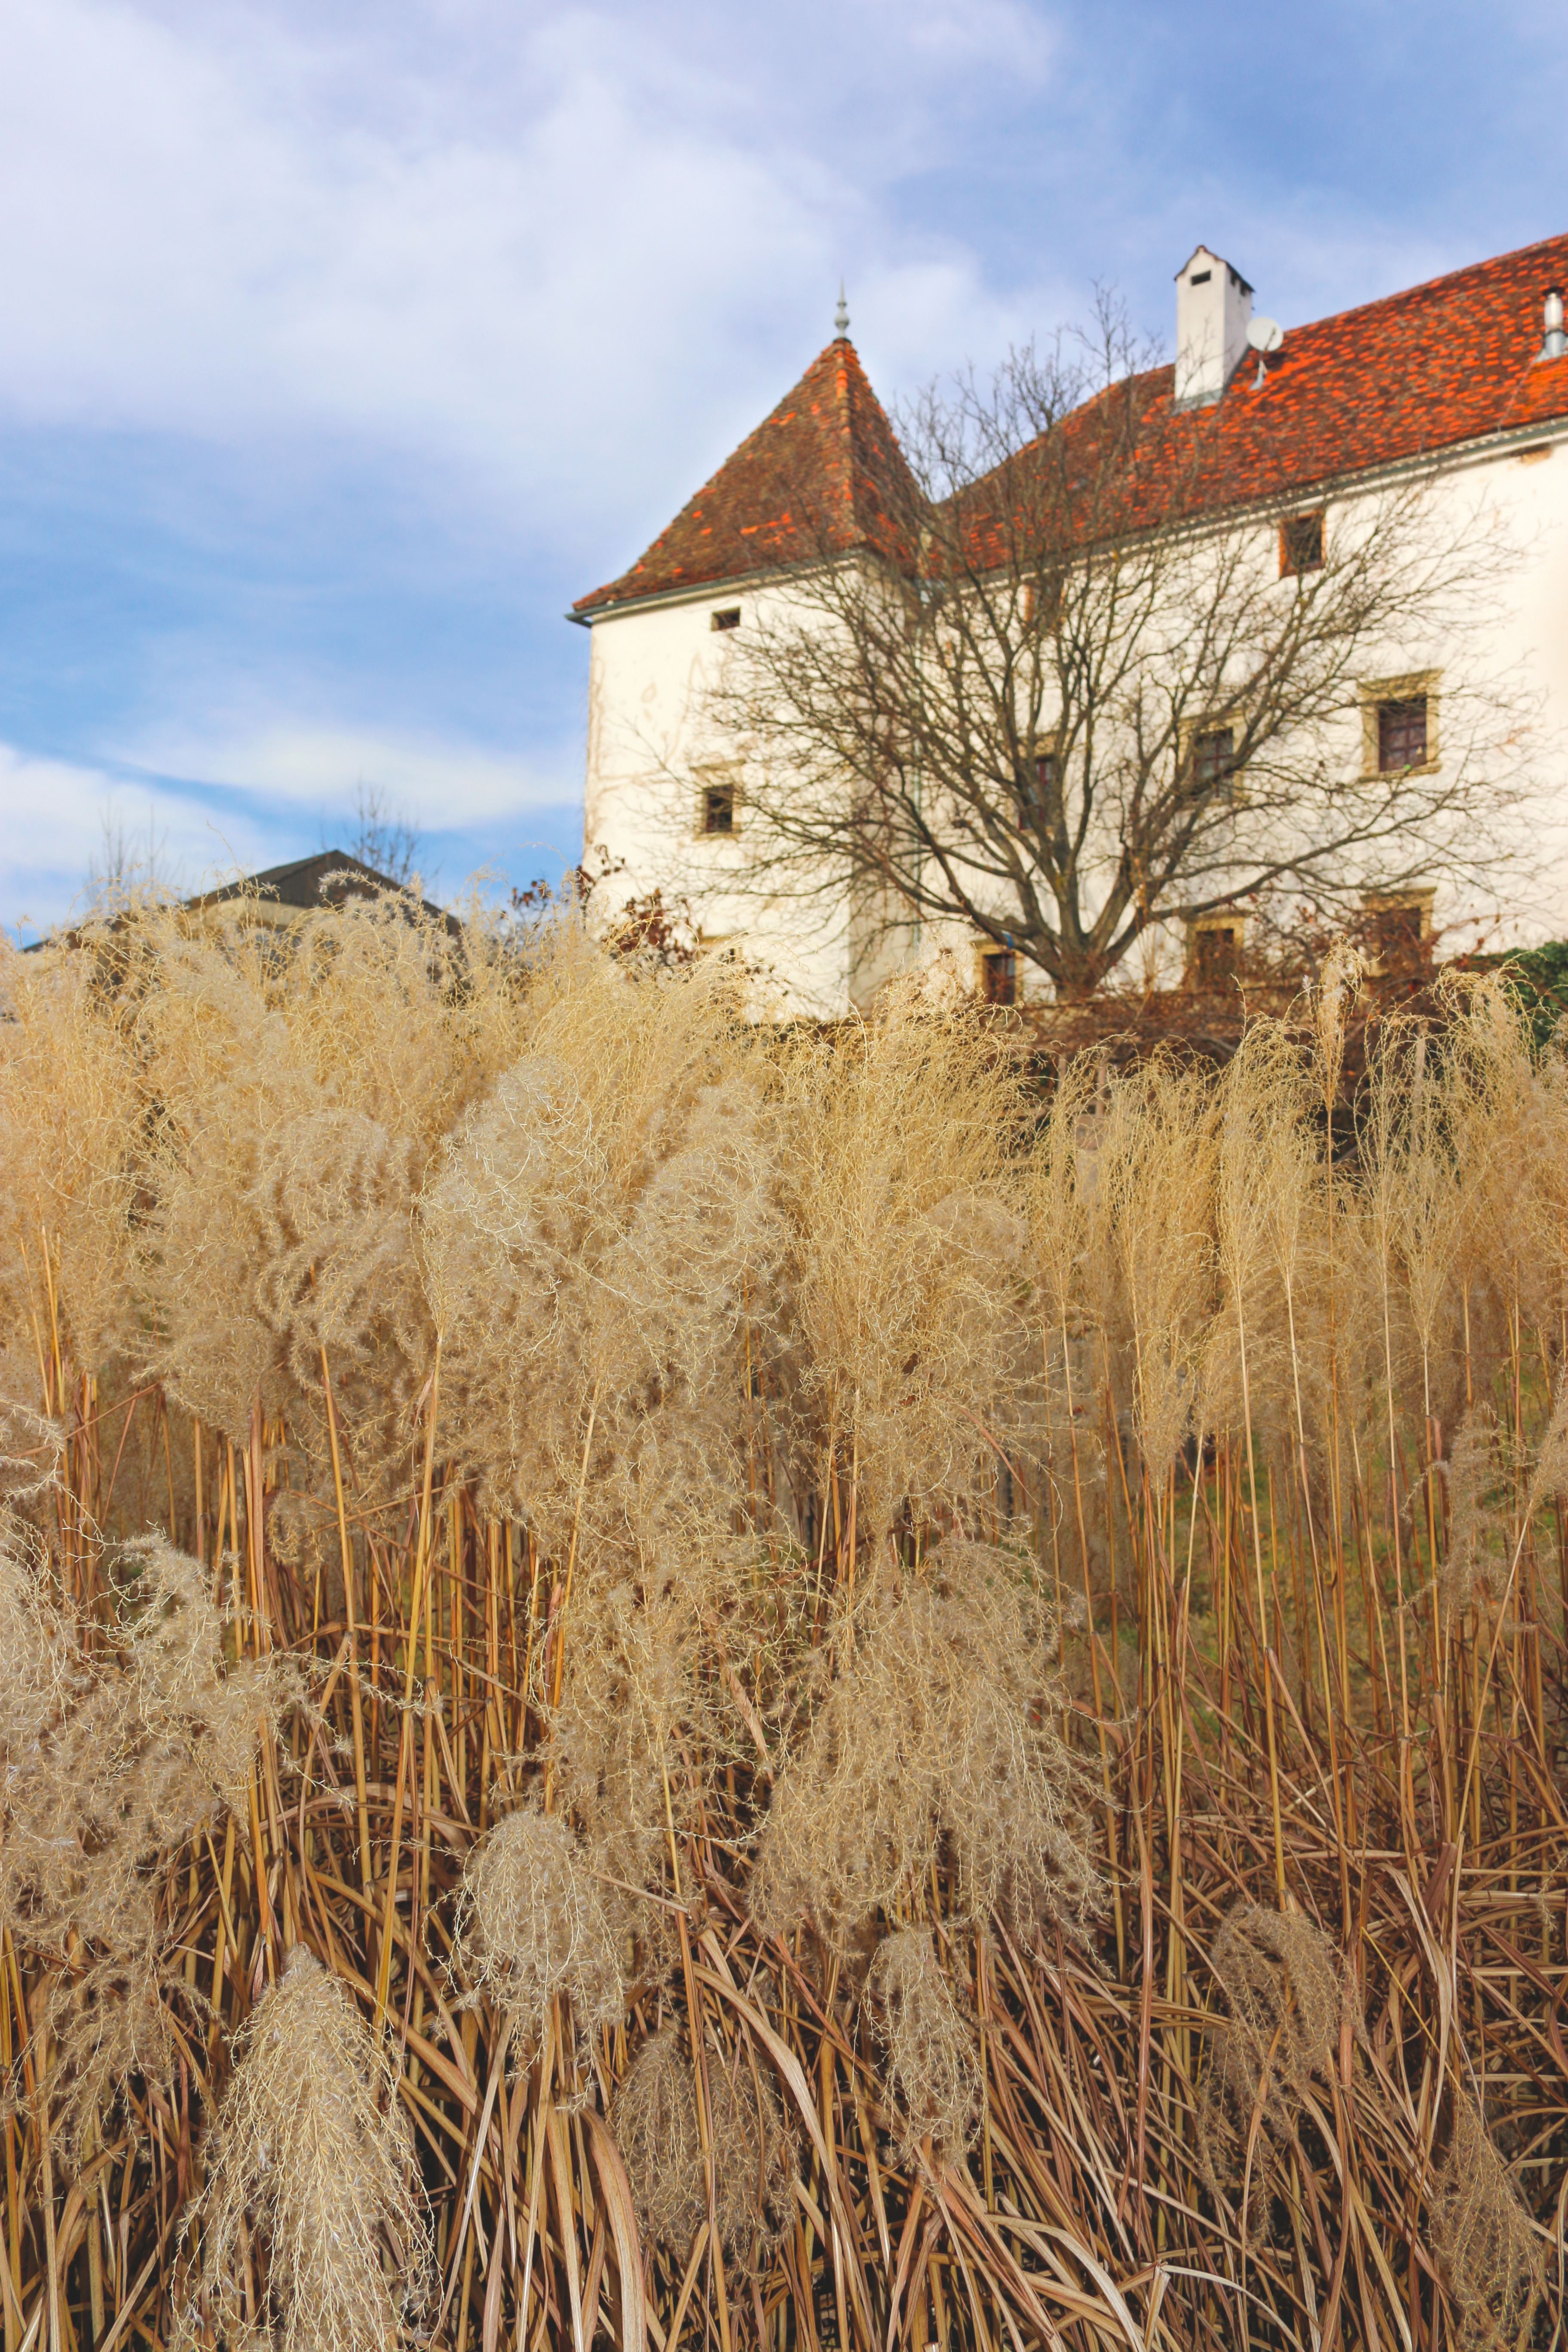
[[1213, 304]]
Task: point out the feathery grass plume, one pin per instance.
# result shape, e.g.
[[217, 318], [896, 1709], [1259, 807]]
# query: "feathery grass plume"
[[1509, 1117], [937, 1734], [905, 1249], [1332, 995], [754, 2156], [933, 2056], [32, 1451], [333, 1204], [591, 1236], [1418, 1201], [1155, 1168], [654, 2118], [1288, 1994], [534, 1921], [40, 1666], [1478, 1480], [285, 1178], [654, 2115], [116, 1751], [229, 1086], [69, 1128], [110, 2025], [403, 1021], [643, 1719], [1059, 1180], [312, 2190], [1262, 1352], [1491, 2258], [1549, 1480]]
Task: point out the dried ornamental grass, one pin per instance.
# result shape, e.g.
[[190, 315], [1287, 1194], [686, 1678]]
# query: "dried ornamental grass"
[[1492, 2261], [699, 1291], [1152, 1215], [659, 2135], [310, 2233], [1288, 1998], [117, 1752], [938, 1735], [654, 2117], [70, 1117], [754, 2156], [931, 2052], [1478, 1499], [905, 1248], [590, 1239], [658, 1569], [535, 1920]]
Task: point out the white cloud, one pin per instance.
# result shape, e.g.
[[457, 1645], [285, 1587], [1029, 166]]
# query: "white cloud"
[[248, 802], [300, 768], [495, 235], [56, 819]]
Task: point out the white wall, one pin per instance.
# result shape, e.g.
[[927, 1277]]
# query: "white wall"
[[648, 747], [649, 743]]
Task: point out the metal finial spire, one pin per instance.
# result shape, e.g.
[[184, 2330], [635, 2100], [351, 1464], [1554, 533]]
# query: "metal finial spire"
[[841, 316]]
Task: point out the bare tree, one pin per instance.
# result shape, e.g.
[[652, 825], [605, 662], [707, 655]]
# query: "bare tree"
[[128, 867], [385, 839], [1065, 690]]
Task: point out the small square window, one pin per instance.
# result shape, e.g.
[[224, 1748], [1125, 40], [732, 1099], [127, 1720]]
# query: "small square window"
[[1402, 735], [999, 977], [1397, 931], [718, 808], [1211, 765], [1301, 542], [1215, 949], [728, 616], [1401, 935]]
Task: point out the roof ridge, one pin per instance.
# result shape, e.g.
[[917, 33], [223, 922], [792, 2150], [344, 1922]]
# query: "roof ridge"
[[1429, 285]]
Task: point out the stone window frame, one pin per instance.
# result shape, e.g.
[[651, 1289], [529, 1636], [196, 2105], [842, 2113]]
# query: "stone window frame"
[[1291, 571], [1223, 918], [1373, 693], [1217, 722], [1422, 895], [986, 953]]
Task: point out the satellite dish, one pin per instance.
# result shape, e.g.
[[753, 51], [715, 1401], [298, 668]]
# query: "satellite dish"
[[1265, 334]]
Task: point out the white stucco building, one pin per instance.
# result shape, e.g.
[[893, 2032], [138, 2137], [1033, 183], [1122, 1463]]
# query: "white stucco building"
[[1462, 381]]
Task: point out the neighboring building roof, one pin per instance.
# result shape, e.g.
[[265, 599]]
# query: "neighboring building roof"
[[303, 883], [324, 880], [814, 477], [1450, 362]]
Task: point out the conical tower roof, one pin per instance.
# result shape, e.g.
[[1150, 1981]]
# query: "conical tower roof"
[[823, 474]]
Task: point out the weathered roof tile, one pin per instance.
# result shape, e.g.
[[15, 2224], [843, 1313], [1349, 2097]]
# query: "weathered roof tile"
[[814, 475]]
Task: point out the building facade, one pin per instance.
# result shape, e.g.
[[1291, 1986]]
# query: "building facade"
[[1460, 385]]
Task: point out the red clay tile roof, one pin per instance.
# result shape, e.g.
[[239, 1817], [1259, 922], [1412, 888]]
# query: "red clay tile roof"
[[1451, 362], [816, 473], [1448, 362]]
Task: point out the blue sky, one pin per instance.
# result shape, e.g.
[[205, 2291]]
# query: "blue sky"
[[342, 345]]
